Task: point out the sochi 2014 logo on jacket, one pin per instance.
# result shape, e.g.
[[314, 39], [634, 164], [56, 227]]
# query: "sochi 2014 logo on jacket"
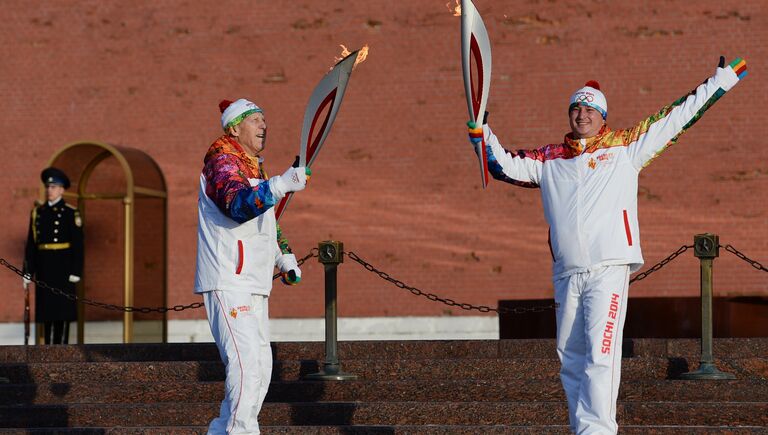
[[602, 159]]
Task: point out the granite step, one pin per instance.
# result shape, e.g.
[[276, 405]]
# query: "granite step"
[[548, 390], [462, 387], [393, 430], [382, 413], [477, 368], [448, 349]]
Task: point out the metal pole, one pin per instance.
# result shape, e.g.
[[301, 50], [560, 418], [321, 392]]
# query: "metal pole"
[[706, 249], [26, 315], [128, 273], [331, 255]]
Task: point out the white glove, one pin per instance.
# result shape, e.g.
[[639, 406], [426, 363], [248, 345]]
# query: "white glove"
[[74, 278], [25, 281], [291, 274], [293, 180]]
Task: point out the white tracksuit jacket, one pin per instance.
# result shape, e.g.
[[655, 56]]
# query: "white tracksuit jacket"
[[233, 256], [589, 186]]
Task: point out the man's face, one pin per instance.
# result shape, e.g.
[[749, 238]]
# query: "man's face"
[[251, 133], [53, 192], [585, 121]]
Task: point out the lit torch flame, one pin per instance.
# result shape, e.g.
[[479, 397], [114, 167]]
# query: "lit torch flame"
[[456, 9], [361, 55]]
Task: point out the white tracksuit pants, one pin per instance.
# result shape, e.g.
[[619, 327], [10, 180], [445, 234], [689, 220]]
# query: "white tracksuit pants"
[[590, 324], [240, 326]]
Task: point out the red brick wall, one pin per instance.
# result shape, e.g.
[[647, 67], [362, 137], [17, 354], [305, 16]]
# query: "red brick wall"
[[396, 180]]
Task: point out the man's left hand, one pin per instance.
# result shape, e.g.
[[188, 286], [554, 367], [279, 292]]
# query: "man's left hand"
[[475, 133], [74, 278], [289, 268], [292, 277], [739, 66]]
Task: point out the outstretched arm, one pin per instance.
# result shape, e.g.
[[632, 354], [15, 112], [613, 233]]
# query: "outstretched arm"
[[654, 134], [521, 168], [231, 191]]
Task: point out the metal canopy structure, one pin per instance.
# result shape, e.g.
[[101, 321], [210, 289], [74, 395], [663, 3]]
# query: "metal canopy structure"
[[107, 178]]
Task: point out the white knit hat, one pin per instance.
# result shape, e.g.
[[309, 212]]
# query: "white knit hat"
[[591, 96], [233, 113]]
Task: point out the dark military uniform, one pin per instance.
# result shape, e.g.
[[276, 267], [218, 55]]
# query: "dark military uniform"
[[54, 251]]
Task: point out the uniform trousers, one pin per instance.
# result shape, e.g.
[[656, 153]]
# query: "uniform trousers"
[[240, 326], [591, 310], [56, 332]]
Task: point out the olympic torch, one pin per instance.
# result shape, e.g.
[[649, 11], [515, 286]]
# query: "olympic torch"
[[476, 46], [326, 98]]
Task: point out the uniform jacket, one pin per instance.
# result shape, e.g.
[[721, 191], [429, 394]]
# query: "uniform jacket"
[[589, 186], [54, 251], [238, 239]]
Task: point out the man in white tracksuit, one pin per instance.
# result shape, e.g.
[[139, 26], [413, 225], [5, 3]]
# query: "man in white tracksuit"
[[589, 193], [238, 246]]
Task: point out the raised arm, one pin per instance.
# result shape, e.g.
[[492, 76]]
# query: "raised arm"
[[654, 134], [232, 192], [521, 168]]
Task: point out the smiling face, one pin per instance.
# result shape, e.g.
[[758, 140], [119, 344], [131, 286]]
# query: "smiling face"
[[251, 133], [585, 121]]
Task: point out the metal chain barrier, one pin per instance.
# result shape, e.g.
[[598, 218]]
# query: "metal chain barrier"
[[483, 308], [385, 276], [660, 264], [129, 309], [450, 302], [738, 253]]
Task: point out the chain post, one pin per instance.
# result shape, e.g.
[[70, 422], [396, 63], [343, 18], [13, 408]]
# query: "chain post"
[[706, 249], [26, 315], [330, 254]]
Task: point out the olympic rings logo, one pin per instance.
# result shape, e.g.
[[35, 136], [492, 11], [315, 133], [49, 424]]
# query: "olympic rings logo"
[[585, 98]]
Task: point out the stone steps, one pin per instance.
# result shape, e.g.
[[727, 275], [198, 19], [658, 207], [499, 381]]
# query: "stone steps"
[[382, 413], [394, 430], [372, 391], [382, 391], [461, 387], [379, 369], [415, 349]]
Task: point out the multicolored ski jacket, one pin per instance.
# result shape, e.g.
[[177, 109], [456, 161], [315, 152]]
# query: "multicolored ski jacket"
[[238, 239], [589, 186]]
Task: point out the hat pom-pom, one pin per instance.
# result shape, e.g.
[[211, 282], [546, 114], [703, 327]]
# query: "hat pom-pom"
[[593, 84], [224, 104]]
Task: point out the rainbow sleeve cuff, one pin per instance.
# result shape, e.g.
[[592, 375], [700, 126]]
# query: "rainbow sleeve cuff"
[[739, 66]]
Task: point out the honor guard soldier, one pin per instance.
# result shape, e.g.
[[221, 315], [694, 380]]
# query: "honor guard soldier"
[[54, 255]]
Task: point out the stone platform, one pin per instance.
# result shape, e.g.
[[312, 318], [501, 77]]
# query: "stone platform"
[[430, 387]]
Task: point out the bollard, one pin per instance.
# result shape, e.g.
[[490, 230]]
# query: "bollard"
[[330, 255], [706, 249]]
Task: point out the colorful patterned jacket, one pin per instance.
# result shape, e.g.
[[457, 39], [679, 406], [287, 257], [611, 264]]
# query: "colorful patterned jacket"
[[589, 186], [239, 242]]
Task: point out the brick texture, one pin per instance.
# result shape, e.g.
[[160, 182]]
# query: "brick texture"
[[396, 180]]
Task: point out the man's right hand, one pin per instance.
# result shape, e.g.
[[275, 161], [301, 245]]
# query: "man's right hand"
[[293, 180], [25, 281]]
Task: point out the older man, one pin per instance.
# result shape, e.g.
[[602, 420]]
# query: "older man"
[[238, 246], [589, 192], [54, 255]]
